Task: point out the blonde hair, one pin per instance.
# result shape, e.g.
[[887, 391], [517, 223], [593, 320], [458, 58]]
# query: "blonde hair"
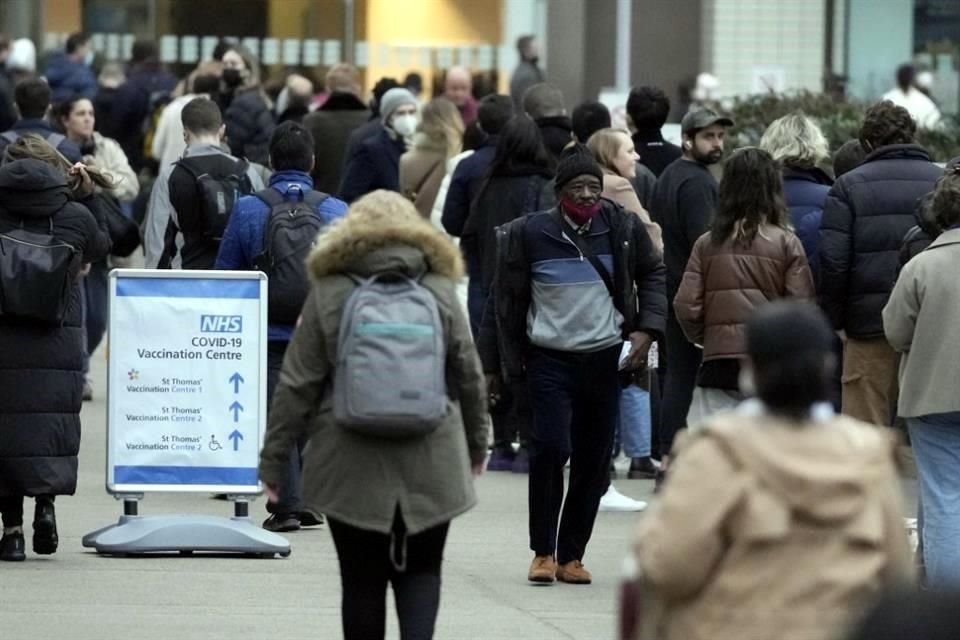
[[605, 145], [795, 141], [441, 123], [344, 78], [32, 146]]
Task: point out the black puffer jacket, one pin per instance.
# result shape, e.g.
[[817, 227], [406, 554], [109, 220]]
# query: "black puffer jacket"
[[41, 369], [250, 123], [866, 216]]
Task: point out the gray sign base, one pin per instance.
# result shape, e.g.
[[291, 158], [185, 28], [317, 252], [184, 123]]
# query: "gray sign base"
[[185, 534]]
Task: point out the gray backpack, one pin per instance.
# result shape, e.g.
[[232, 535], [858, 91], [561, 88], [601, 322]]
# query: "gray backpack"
[[390, 379]]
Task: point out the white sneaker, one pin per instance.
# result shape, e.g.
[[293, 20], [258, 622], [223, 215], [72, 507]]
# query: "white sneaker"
[[613, 500]]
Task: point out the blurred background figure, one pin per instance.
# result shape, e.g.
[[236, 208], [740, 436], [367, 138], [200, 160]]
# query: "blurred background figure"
[[527, 73], [458, 89], [293, 103], [69, 73], [439, 137], [140, 99], [248, 114], [907, 95], [332, 125]]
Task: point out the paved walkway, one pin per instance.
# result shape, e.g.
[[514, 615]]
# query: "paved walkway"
[[78, 595]]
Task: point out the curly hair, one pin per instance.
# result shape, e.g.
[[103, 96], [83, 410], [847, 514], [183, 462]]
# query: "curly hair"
[[795, 141], [945, 203], [885, 124]]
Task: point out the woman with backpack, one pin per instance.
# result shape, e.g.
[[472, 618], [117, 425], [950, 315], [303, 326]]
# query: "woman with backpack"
[[749, 257], [47, 236], [397, 432], [439, 137]]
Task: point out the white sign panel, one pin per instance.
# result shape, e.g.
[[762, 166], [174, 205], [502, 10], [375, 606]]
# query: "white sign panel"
[[187, 380]]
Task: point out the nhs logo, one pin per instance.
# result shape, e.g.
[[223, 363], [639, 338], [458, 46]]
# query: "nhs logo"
[[221, 324]]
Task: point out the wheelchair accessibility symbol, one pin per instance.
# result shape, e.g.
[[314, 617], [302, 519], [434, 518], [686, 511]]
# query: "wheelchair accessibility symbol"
[[214, 445]]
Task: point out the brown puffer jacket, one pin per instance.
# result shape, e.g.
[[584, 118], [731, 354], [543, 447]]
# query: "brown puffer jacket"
[[724, 283]]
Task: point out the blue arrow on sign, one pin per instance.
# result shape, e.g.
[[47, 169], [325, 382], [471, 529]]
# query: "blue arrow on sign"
[[236, 407], [236, 436], [237, 380]]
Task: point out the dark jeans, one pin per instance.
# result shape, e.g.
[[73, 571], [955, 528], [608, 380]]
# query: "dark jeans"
[[576, 401], [683, 363], [368, 562], [291, 485], [93, 298], [476, 301], [511, 416], [11, 507]]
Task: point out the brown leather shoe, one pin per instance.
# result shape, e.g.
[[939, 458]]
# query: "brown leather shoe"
[[574, 573], [543, 569]]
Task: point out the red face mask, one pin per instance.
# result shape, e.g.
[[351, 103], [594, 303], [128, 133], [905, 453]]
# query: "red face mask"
[[580, 214]]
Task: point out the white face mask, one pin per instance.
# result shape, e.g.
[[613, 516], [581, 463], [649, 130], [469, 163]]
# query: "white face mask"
[[405, 125]]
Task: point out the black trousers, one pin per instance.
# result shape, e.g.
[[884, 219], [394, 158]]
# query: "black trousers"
[[369, 561], [511, 416], [683, 363], [576, 401], [291, 486], [11, 508]]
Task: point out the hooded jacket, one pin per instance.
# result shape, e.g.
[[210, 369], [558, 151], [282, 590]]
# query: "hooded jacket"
[[361, 480], [41, 369], [772, 529]]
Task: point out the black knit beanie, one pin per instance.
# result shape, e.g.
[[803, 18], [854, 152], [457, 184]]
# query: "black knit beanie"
[[575, 161]]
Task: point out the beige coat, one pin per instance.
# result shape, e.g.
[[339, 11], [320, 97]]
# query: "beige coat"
[[110, 156], [362, 480], [619, 189], [421, 171], [768, 529], [920, 321]]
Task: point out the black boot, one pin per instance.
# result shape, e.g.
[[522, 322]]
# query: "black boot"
[[13, 547], [45, 539]]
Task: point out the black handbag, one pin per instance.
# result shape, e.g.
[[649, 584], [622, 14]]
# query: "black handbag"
[[36, 273], [124, 232]]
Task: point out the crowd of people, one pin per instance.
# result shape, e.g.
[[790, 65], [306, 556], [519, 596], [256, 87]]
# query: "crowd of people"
[[741, 325]]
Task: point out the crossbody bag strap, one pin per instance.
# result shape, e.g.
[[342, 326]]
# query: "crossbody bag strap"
[[584, 248]]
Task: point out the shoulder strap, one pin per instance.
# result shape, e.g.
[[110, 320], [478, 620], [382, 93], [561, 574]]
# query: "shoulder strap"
[[584, 248], [270, 196], [315, 198], [10, 136], [54, 139]]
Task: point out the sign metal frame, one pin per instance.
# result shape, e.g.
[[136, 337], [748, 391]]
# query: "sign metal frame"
[[115, 275]]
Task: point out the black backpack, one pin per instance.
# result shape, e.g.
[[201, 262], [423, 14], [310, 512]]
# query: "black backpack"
[[36, 272], [217, 193], [291, 231]]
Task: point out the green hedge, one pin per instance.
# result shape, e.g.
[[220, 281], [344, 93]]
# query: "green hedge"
[[839, 120]]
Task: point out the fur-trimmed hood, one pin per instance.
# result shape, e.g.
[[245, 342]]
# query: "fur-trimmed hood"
[[382, 231]]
